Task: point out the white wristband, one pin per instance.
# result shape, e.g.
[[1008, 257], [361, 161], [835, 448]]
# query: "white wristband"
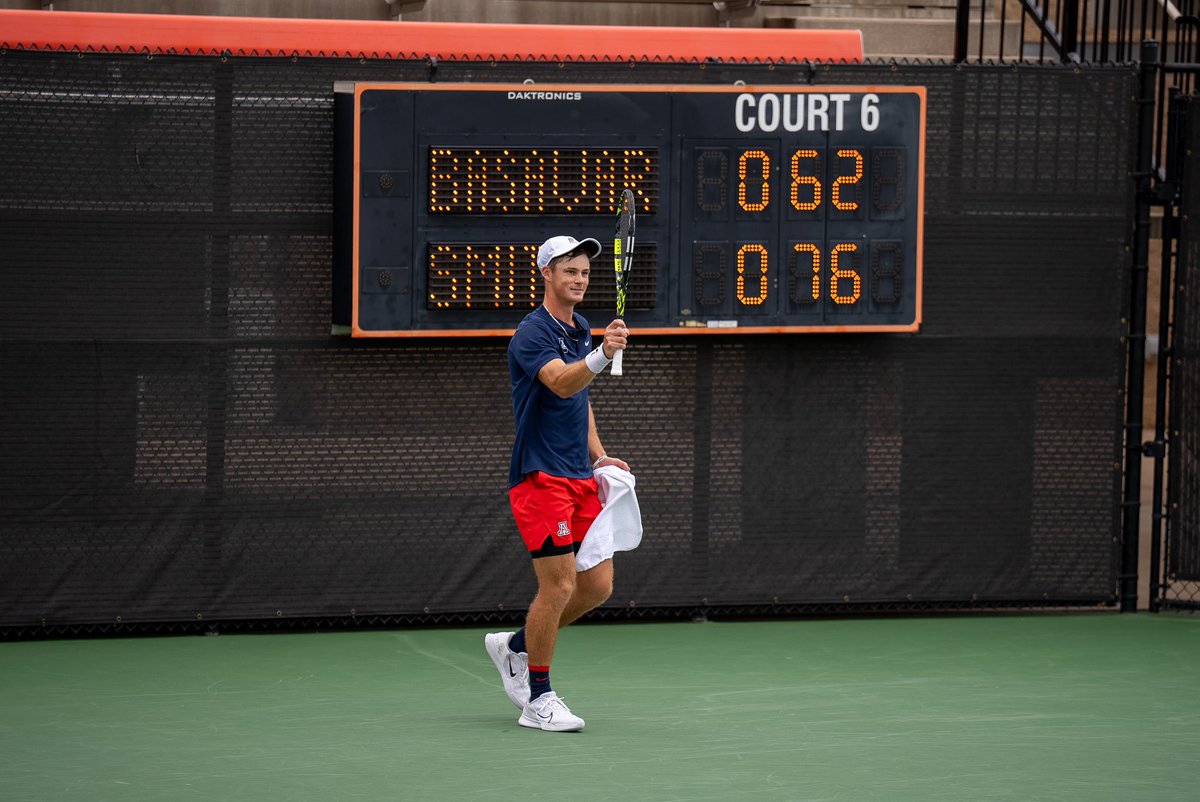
[[596, 360], [599, 459]]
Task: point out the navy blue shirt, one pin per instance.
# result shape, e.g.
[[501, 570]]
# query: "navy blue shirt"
[[552, 432]]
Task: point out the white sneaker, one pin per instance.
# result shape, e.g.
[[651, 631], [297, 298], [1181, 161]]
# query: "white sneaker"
[[513, 667], [549, 713]]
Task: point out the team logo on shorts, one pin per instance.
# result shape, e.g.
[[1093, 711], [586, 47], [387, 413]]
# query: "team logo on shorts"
[[563, 529]]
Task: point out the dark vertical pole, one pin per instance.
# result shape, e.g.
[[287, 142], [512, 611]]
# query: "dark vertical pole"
[[1103, 21], [982, 25], [1004, 27], [962, 27], [343, 206], [1170, 236], [1070, 29], [1136, 340], [220, 257], [702, 475]]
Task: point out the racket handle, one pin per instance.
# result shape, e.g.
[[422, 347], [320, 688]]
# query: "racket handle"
[[616, 365]]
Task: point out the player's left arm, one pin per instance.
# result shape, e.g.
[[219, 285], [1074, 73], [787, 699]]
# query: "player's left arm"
[[596, 449]]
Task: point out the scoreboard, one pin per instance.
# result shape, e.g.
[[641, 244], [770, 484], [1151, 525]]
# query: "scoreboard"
[[768, 208]]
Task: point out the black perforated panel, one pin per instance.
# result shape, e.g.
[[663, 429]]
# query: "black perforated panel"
[[183, 440]]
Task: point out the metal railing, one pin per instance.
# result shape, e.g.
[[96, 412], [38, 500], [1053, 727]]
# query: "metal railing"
[[1074, 31]]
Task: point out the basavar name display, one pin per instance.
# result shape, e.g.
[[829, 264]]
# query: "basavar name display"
[[761, 209]]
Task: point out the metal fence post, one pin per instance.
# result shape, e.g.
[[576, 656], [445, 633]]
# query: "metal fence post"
[[1136, 339], [962, 22], [1070, 32]]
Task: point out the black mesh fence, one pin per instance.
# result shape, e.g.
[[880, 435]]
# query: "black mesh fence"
[[1181, 586], [183, 440]]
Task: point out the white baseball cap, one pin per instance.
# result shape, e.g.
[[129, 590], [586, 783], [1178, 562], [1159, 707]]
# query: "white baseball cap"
[[557, 246]]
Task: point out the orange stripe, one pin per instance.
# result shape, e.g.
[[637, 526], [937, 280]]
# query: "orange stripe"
[[257, 36]]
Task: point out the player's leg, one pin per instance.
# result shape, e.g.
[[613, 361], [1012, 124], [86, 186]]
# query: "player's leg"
[[539, 504], [592, 588], [556, 587], [544, 508], [595, 585]]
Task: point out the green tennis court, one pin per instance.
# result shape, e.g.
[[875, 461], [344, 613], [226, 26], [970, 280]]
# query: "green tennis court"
[[1079, 707]]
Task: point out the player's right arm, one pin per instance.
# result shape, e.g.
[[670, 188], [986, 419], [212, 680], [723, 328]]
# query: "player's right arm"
[[566, 380]]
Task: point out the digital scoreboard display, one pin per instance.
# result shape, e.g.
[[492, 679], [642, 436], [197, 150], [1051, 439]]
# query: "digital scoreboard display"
[[760, 208]]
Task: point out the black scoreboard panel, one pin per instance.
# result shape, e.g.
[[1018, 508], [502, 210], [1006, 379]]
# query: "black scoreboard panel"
[[768, 208]]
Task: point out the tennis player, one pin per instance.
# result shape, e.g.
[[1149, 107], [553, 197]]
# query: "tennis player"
[[551, 360]]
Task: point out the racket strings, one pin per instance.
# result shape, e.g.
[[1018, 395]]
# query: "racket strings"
[[623, 247]]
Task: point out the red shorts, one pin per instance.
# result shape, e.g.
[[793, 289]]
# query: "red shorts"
[[554, 514]]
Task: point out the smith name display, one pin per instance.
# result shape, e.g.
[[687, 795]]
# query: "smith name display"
[[760, 208]]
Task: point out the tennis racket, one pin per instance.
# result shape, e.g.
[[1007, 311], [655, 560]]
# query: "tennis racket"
[[623, 259]]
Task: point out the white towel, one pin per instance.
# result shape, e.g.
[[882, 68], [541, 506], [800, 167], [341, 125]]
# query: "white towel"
[[618, 527]]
